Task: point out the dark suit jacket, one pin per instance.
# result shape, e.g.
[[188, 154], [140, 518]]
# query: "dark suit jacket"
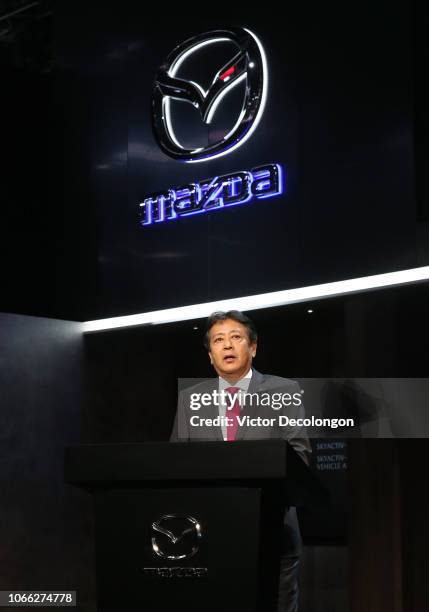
[[259, 384]]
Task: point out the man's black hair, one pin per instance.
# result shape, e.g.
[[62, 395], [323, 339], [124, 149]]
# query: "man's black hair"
[[235, 315]]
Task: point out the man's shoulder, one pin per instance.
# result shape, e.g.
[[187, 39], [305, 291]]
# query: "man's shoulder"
[[272, 381]]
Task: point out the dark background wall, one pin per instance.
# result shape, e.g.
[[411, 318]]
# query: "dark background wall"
[[346, 116], [45, 525], [339, 117]]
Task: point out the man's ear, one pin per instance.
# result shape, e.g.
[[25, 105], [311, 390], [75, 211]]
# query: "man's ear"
[[210, 357], [253, 347]]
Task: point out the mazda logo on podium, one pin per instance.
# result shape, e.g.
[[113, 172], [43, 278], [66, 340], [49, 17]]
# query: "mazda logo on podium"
[[176, 537]]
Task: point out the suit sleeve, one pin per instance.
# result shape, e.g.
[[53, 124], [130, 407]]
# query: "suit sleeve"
[[297, 435]]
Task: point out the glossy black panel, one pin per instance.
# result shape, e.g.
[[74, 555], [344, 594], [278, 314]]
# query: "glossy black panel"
[[338, 118], [344, 95]]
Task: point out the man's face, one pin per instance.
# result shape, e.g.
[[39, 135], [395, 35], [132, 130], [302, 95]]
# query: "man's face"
[[230, 352]]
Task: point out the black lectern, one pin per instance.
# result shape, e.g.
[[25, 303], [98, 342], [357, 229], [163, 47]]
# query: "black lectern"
[[191, 527]]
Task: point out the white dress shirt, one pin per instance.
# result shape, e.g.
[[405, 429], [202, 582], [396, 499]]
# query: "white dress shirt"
[[242, 384]]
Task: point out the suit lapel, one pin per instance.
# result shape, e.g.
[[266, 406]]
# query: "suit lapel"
[[213, 412], [255, 385]]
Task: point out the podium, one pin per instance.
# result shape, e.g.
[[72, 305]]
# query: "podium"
[[190, 526]]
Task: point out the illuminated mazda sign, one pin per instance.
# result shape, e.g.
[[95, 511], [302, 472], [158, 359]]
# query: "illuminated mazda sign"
[[248, 64], [211, 194]]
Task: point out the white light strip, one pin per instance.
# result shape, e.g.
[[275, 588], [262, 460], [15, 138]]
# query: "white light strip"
[[263, 300]]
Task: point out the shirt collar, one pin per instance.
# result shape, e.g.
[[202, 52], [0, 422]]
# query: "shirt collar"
[[243, 383]]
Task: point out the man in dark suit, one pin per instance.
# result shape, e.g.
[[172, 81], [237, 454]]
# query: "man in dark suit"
[[239, 413]]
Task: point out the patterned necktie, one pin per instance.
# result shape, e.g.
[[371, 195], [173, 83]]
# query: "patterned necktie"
[[232, 414]]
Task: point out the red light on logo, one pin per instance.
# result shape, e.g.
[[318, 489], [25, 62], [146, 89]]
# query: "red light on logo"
[[227, 73]]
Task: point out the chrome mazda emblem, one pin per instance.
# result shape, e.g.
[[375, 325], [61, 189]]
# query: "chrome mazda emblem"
[[247, 64], [176, 536]]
